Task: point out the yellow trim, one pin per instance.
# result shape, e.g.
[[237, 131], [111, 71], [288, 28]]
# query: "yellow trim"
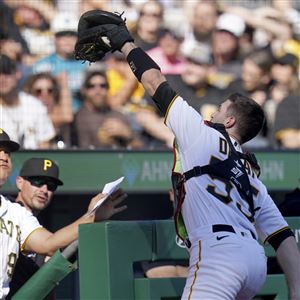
[[24, 244], [276, 232], [196, 271], [167, 112]]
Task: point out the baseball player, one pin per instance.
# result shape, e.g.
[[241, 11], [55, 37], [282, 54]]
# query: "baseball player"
[[223, 204], [36, 183], [21, 231]]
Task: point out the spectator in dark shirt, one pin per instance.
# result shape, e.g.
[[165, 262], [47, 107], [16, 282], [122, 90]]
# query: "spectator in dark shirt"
[[98, 126]]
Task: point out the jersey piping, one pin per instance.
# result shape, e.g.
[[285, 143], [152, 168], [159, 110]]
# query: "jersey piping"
[[24, 244], [168, 109], [274, 233]]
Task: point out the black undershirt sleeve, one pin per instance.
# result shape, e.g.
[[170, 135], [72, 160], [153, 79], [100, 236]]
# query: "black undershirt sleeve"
[[278, 238], [163, 96]]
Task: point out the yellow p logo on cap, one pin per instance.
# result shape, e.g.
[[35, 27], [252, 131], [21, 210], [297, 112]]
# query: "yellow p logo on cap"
[[47, 164], [1, 131]]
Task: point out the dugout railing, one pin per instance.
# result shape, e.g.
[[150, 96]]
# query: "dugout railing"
[[108, 250]]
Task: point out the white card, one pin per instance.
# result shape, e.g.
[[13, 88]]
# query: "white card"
[[108, 189]]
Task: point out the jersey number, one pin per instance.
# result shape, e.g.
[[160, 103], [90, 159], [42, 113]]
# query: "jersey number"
[[12, 259], [226, 197]]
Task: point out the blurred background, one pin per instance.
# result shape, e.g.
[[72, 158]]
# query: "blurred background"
[[98, 123]]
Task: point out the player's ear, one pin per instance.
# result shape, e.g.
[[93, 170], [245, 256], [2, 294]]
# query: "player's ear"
[[229, 122], [19, 182]]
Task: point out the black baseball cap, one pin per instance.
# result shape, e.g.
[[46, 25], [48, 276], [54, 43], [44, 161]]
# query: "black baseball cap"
[[288, 59], [7, 66], [7, 143], [41, 167]]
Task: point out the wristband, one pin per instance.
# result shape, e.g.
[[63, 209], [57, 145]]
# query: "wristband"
[[139, 62]]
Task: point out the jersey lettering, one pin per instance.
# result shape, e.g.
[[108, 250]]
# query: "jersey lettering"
[[223, 146], [8, 228]]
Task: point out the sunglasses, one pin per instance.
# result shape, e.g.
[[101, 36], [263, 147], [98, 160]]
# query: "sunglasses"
[[40, 91], [100, 85], [40, 181], [154, 15]]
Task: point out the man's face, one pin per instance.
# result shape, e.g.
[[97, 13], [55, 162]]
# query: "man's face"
[[252, 76], [204, 20], [35, 192], [8, 83], [96, 91], [194, 74], [65, 45], [5, 165], [224, 42], [221, 114]]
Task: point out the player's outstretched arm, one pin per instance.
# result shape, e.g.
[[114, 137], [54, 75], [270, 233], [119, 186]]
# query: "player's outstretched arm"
[[100, 32], [42, 241], [289, 259], [145, 69]]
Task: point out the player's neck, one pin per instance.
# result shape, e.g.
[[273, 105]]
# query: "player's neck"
[[235, 138]]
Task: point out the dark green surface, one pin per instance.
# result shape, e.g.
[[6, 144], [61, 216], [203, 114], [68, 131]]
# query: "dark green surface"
[[108, 250], [43, 281], [106, 254], [88, 171]]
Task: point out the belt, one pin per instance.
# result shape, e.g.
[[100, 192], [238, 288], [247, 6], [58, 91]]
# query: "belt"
[[229, 228]]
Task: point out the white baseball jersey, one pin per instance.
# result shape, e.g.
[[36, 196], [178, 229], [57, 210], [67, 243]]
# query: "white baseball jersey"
[[227, 265], [27, 123], [199, 144], [16, 224]]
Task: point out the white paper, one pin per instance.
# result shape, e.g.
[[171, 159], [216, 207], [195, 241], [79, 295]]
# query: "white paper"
[[108, 189]]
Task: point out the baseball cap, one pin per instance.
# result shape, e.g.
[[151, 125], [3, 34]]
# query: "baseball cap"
[[41, 167], [288, 59], [7, 66], [7, 143], [64, 23], [231, 23], [167, 31], [197, 54]]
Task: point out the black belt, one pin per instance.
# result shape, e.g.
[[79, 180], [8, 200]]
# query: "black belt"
[[228, 228]]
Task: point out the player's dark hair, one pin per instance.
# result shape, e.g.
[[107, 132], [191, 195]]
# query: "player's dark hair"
[[249, 116]]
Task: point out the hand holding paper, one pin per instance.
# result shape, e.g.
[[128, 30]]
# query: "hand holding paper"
[[108, 189]]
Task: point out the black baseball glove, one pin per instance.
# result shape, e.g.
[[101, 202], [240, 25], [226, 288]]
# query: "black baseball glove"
[[100, 32]]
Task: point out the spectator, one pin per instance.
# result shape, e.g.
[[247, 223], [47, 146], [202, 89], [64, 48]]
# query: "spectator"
[[255, 80], [199, 34], [271, 24], [34, 25], [287, 123], [8, 29], [36, 185], [256, 83], [167, 53], [54, 93], [26, 233], [96, 124], [193, 83], [124, 90], [64, 27], [148, 25], [229, 29], [284, 74], [23, 116], [153, 130]]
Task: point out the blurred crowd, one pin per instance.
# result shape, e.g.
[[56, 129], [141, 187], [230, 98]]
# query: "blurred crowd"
[[207, 49]]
